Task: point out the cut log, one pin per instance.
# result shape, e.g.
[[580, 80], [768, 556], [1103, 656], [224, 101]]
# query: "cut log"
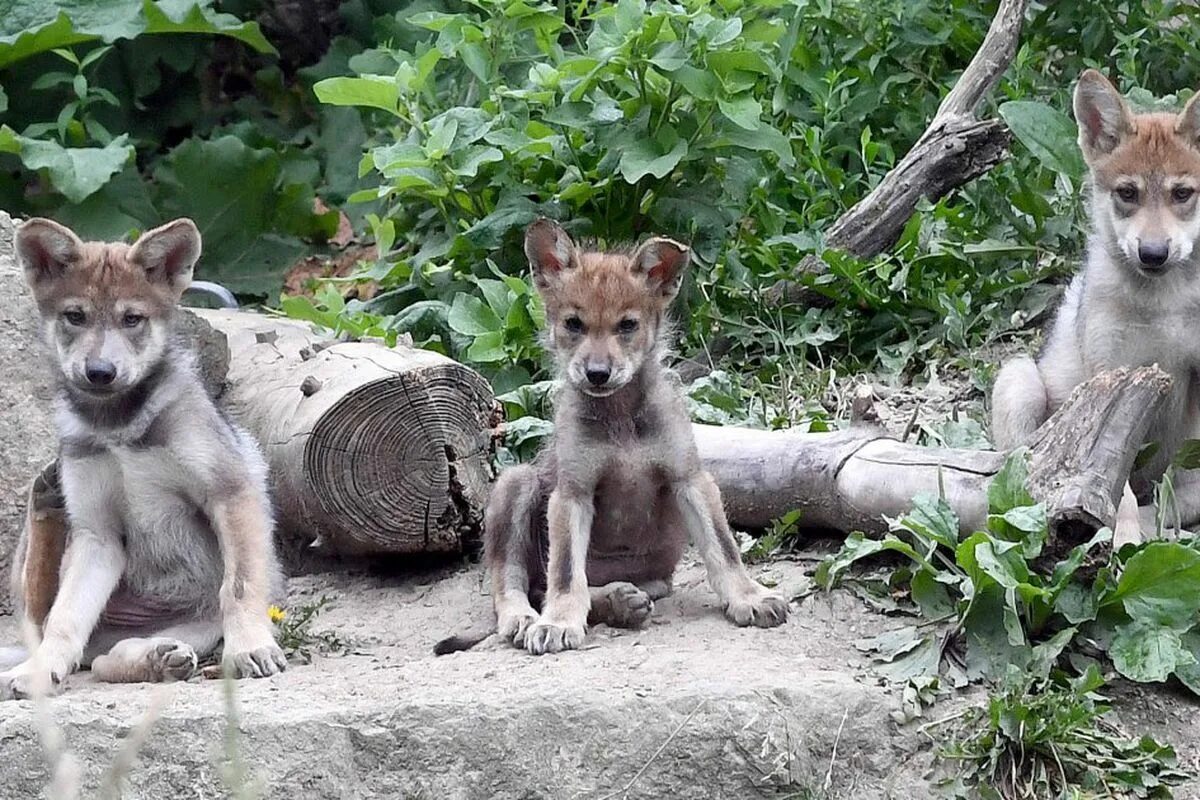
[[372, 449], [849, 480]]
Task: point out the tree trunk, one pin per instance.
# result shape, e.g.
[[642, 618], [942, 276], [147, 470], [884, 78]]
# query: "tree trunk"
[[849, 480], [372, 449]]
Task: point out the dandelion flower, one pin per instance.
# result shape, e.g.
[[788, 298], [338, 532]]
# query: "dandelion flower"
[[276, 614]]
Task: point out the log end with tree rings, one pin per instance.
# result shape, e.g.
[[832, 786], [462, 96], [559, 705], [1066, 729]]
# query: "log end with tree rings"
[[372, 449], [400, 464]]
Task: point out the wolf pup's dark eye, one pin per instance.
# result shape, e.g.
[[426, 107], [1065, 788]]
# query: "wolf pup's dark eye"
[[573, 324], [1181, 194], [74, 316], [132, 320], [1127, 193], [627, 326]]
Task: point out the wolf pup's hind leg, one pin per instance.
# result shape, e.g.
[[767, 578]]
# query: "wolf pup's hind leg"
[[1019, 403], [620, 604]]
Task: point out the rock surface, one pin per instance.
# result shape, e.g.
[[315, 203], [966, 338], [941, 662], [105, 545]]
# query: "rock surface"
[[690, 707], [26, 438]]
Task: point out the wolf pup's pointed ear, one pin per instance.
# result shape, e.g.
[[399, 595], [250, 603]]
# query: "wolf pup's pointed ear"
[[663, 262], [45, 249], [549, 250], [1188, 123], [168, 253], [1103, 117]]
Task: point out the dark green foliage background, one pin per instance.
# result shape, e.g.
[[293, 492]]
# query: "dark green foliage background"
[[743, 128]]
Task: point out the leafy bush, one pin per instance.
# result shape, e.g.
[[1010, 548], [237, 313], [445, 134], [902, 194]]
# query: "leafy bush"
[[119, 115], [996, 604]]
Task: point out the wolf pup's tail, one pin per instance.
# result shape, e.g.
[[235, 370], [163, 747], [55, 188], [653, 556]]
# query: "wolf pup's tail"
[[11, 656], [461, 641]]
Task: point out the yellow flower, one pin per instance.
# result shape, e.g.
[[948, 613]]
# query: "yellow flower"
[[276, 614]]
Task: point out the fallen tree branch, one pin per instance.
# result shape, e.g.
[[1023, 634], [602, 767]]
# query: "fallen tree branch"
[[955, 148], [851, 479]]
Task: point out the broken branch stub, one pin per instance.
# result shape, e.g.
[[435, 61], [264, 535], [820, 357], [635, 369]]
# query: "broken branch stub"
[[1082, 456]]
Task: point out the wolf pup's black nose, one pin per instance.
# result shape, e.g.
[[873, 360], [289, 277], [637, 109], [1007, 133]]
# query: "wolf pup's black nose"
[[1153, 253], [598, 377], [100, 372]]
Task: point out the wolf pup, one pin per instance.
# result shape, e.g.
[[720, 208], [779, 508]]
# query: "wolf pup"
[[593, 529], [1137, 299], [169, 547]]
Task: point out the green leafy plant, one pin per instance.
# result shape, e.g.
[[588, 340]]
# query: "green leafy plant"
[[989, 601], [1039, 737], [294, 633]]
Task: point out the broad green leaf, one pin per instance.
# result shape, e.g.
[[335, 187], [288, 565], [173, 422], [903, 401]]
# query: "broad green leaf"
[[742, 110], [470, 316], [765, 138], [1189, 674], [932, 518], [486, 348], [989, 651], [931, 596], [9, 141], [1188, 455], [77, 172], [497, 295], [1047, 653], [646, 156], [1046, 132], [28, 27], [369, 91], [1160, 585], [1147, 652], [1007, 489], [235, 194]]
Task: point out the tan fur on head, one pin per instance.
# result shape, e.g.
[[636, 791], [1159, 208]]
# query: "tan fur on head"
[[604, 310], [58, 264], [104, 304], [1145, 171]]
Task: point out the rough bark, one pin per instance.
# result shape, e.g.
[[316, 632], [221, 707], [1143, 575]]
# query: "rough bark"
[[849, 480], [1083, 455], [372, 449]]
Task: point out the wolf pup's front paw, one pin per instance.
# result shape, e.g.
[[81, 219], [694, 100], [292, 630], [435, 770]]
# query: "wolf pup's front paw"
[[513, 627], [24, 682], [757, 606], [549, 637], [253, 657]]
